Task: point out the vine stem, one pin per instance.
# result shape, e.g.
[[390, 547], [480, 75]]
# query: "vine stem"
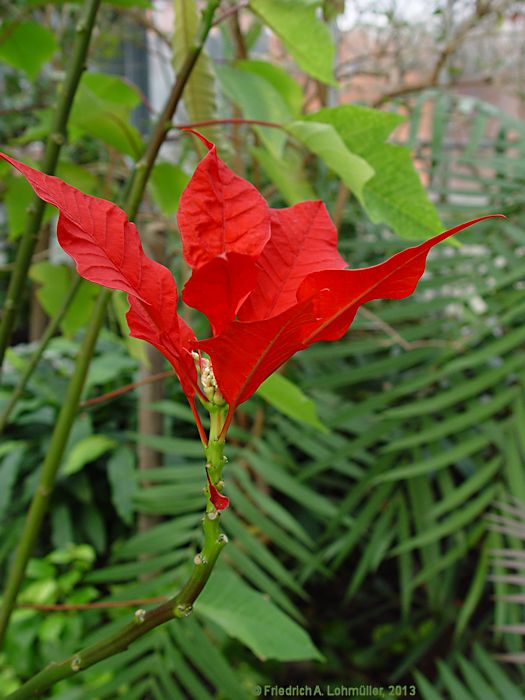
[[69, 408], [54, 143], [179, 606]]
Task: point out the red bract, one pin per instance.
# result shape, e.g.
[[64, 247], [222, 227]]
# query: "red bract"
[[270, 281]]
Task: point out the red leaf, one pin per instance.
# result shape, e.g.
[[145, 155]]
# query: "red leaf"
[[107, 250], [394, 278], [219, 287], [219, 501], [175, 344], [98, 236], [220, 212], [246, 353], [303, 240]]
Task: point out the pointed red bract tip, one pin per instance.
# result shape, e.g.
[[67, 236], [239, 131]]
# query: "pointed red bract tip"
[[209, 145], [219, 501]]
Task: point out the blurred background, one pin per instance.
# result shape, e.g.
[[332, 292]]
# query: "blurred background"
[[378, 484]]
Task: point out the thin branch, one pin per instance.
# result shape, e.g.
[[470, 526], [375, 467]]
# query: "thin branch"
[[231, 11], [124, 389], [231, 120], [58, 607]]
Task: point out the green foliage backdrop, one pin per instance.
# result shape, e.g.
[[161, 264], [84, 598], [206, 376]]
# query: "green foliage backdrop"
[[360, 481]]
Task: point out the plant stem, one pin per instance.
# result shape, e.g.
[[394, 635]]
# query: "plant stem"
[[57, 445], [69, 408], [179, 606], [35, 358], [54, 143]]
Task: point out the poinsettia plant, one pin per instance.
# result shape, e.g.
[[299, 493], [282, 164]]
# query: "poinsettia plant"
[[270, 281]]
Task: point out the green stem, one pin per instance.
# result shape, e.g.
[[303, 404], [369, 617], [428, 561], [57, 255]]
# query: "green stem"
[[179, 606], [69, 408], [56, 448], [35, 358], [54, 144]]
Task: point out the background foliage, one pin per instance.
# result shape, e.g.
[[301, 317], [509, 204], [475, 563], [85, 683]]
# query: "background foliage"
[[377, 487]]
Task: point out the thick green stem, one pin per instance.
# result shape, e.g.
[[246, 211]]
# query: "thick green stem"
[[54, 143], [69, 408], [179, 606], [35, 358]]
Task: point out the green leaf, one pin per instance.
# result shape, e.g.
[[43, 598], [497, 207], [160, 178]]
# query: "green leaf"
[[247, 615], [102, 109], [257, 99], [55, 281], [281, 81], [395, 195], [324, 141], [85, 451], [136, 348], [9, 468], [121, 472], [288, 398], [166, 184], [286, 174], [304, 35], [77, 176], [18, 196], [26, 46], [199, 92]]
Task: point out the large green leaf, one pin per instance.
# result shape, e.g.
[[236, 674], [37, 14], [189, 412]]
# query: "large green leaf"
[[308, 40], [325, 141], [27, 46], [250, 617], [395, 195]]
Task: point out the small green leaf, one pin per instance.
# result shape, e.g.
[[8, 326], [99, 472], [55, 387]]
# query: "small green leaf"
[[26, 46], [102, 109], [324, 141], [17, 199], [9, 468], [247, 615], [286, 397], [136, 348], [166, 184], [305, 36], [55, 281], [77, 176], [85, 451], [121, 472], [286, 174]]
